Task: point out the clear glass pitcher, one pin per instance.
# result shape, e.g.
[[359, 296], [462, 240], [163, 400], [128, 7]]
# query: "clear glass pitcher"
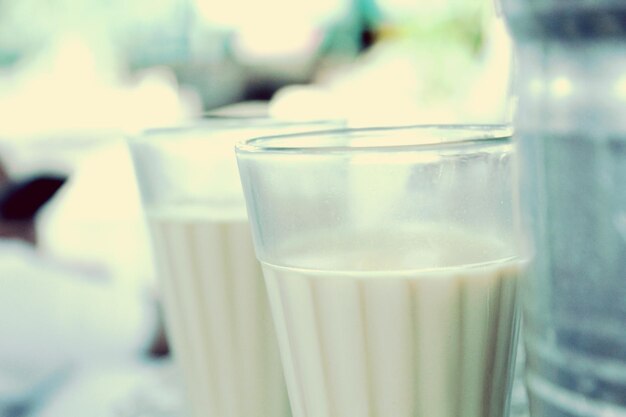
[[571, 133]]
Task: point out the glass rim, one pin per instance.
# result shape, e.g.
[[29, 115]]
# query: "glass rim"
[[473, 135], [221, 123]]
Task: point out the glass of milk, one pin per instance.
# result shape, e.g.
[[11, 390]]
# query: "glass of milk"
[[215, 303], [391, 259]]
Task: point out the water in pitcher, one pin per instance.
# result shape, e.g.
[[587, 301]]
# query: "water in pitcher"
[[571, 133]]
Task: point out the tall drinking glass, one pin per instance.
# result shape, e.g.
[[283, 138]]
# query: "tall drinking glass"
[[216, 310], [391, 261]]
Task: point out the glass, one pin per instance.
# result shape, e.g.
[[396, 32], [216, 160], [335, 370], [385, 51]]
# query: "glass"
[[391, 260], [216, 311], [571, 133]]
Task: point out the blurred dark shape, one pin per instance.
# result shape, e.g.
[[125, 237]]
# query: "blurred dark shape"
[[21, 200], [261, 88], [17, 410], [4, 177], [159, 347], [367, 39]]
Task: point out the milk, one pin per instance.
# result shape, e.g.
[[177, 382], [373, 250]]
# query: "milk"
[[363, 336], [217, 315]]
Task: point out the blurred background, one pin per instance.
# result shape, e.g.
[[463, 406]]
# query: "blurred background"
[[97, 64], [77, 76], [80, 70]]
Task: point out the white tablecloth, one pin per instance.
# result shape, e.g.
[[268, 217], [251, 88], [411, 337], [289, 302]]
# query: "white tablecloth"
[[152, 389]]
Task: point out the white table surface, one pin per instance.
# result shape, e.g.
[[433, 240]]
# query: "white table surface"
[[151, 389]]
